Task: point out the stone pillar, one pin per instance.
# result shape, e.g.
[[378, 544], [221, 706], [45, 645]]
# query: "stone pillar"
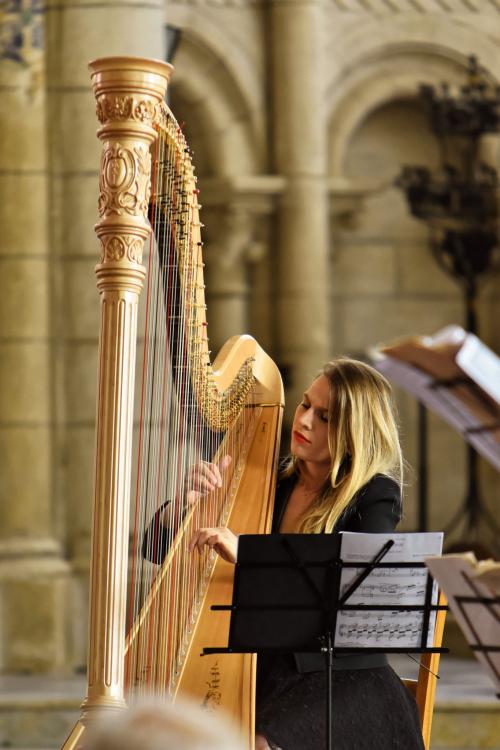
[[33, 575], [227, 256], [236, 253], [300, 145], [77, 33]]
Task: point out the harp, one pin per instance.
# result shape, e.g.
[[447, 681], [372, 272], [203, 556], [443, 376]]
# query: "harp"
[[148, 623]]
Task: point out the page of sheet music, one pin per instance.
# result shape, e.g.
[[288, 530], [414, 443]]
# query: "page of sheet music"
[[386, 586]]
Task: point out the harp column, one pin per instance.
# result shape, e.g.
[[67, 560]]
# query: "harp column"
[[127, 91], [300, 147]]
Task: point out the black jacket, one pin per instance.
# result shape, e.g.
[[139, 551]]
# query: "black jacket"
[[375, 509]]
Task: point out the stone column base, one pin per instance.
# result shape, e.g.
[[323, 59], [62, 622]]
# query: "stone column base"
[[33, 607]]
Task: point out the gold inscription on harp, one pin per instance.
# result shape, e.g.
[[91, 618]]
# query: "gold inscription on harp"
[[213, 696]]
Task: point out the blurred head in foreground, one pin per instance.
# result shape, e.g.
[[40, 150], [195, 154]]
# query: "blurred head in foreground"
[[163, 725]]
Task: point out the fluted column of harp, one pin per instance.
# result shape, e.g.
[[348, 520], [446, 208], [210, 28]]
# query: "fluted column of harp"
[[128, 93]]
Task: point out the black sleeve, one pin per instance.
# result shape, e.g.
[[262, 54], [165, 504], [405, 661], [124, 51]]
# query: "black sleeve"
[[155, 541], [378, 508]]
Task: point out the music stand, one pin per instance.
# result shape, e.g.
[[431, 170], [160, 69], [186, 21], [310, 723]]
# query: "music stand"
[[459, 384], [488, 649], [476, 609], [280, 574]]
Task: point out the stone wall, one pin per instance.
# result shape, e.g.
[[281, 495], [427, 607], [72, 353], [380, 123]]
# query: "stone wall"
[[300, 113]]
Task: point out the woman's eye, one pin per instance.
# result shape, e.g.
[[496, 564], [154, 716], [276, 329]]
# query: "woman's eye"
[[324, 417], [304, 405]]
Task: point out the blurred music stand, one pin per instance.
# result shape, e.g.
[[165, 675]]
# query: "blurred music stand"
[[455, 376], [476, 609], [278, 574]]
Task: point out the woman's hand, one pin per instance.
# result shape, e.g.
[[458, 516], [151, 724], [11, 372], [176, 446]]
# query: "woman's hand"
[[220, 538], [204, 478]]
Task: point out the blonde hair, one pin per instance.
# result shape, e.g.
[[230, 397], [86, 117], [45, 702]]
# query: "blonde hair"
[[362, 436]]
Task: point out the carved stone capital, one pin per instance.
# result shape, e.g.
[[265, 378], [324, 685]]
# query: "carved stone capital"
[[347, 200], [240, 238]]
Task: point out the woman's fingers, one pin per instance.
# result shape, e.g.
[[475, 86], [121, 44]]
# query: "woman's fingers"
[[200, 539], [206, 476], [192, 497], [211, 473], [221, 539]]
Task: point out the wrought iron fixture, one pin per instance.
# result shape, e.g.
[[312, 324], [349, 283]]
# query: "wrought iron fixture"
[[459, 202]]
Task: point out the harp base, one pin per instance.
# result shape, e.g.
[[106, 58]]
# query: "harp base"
[[74, 739]]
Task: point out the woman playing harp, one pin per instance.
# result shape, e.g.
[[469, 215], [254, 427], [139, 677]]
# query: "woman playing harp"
[[190, 410], [344, 473]]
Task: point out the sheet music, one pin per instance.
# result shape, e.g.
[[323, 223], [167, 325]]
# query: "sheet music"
[[386, 586], [481, 364]]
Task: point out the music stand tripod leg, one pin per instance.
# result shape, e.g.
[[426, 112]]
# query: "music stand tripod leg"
[[329, 691]]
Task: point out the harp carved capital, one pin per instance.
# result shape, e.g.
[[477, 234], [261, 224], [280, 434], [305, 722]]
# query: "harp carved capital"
[[117, 107], [128, 93], [124, 180], [119, 247]]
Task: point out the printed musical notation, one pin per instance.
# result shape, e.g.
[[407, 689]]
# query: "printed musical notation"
[[389, 587], [380, 591], [392, 632]]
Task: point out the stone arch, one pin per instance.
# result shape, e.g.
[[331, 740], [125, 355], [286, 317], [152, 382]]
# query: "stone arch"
[[217, 89], [390, 62]]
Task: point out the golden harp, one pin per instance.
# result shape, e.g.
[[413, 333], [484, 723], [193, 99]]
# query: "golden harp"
[[190, 410]]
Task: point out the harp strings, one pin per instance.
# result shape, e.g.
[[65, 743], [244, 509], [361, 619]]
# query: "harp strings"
[[175, 436]]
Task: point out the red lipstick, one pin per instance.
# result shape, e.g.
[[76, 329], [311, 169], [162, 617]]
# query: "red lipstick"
[[300, 438]]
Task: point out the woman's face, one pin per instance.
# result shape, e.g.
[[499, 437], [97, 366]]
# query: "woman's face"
[[310, 425]]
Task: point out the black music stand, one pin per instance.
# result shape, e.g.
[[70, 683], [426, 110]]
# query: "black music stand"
[[280, 574]]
